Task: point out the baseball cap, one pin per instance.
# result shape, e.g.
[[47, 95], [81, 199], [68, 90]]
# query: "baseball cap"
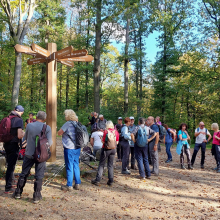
[[19, 108], [119, 118], [132, 117]]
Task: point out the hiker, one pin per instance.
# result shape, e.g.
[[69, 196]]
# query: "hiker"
[[71, 153], [96, 140], [201, 133], [110, 140], [12, 147], [157, 120], [216, 145], [30, 119], [125, 143], [131, 129], [141, 134], [169, 142], [118, 127], [32, 131], [183, 146], [152, 145], [93, 120], [101, 124]]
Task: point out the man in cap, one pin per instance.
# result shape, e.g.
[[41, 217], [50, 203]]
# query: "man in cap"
[[118, 127], [132, 128], [200, 133], [12, 147]]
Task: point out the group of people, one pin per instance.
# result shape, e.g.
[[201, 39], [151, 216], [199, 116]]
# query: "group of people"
[[138, 144]]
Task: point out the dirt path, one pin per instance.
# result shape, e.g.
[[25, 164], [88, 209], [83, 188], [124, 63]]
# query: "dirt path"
[[175, 194]]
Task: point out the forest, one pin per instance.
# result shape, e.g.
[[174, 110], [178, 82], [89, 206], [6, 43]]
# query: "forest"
[[182, 85]]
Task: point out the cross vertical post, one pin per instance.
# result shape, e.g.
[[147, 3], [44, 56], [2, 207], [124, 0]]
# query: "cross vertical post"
[[51, 98]]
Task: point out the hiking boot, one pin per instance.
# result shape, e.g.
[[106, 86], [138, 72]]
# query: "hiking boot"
[[17, 195], [76, 186], [125, 172], [202, 166], [95, 182], [37, 199], [66, 188], [183, 167], [190, 167], [10, 191], [109, 183]]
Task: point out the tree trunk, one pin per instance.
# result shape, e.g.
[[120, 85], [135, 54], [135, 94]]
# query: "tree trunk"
[[126, 69], [9, 76], [61, 72], [17, 78], [96, 70], [141, 76]]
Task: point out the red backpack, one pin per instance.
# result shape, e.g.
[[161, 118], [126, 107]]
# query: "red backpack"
[[5, 129], [42, 151]]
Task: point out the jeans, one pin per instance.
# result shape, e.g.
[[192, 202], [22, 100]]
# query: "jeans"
[[141, 155], [119, 151], [216, 149], [11, 150], [196, 149], [39, 175], [126, 151], [71, 157], [110, 155], [187, 152], [132, 156], [154, 157], [168, 146]]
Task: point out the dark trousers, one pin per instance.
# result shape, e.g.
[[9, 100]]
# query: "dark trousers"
[[126, 151], [39, 175], [154, 157], [187, 152], [216, 152], [110, 155], [196, 149], [141, 154], [119, 151], [11, 150], [132, 153]]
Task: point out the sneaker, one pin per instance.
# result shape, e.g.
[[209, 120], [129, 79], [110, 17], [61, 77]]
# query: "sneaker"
[[37, 200], [218, 171], [142, 178], [76, 186], [125, 172], [95, 182], [216, 168], [10, 191], [66, 188], [148, 177], [17, 195], [190, 167], [109, 183], [118, 160], [152, 172], [183, 167], [168, 160], [202, 167]]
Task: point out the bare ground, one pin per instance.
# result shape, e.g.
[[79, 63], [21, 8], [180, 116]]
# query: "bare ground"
[[175, 194]]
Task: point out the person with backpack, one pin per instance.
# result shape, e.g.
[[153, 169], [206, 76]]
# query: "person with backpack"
[[101, 124], [216, 146], [71, 150], [183, 146], [141, 140], [125, 143], [118, 127], [11, 134], [96, 140], [31, 135], [110, 140], [152, 145], [169, 142], [201, 134], [132, 128]]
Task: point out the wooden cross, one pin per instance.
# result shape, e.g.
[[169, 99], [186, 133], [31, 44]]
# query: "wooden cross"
[[51, 56]]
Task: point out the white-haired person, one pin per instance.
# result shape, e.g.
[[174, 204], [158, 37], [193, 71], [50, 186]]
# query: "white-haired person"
[[110, 140], [101, 124], [216, 145], [71, 153]]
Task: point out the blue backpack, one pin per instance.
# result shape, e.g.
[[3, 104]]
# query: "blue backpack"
[[142, 137]]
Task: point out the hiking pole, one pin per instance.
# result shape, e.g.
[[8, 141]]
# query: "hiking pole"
[[54, 175]]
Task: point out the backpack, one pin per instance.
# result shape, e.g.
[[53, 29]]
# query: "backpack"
[[110, 140], [5, 129], [42, 151], [162, 130], [85, 157], [142, 137], [21, 154]]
